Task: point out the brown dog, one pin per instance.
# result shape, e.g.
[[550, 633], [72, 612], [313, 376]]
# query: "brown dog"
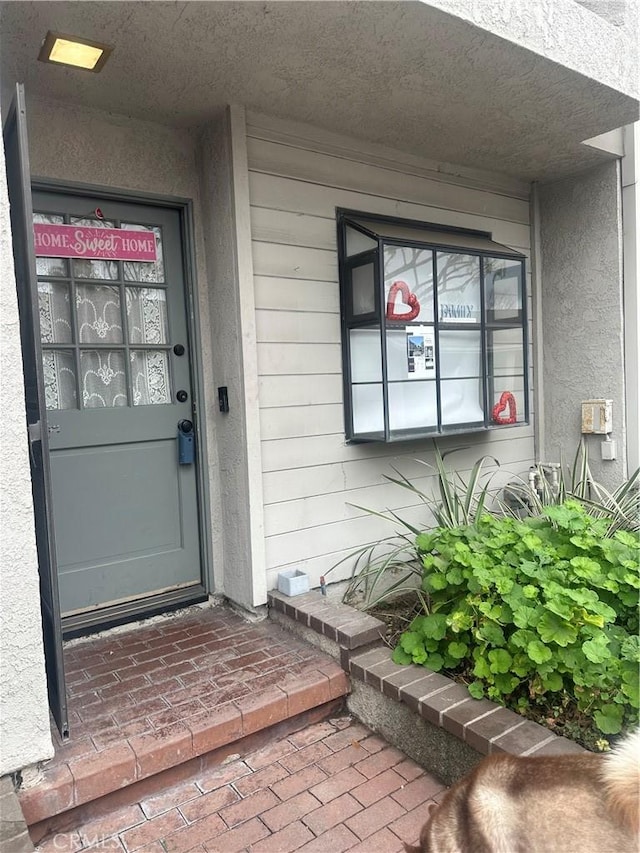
[[556, 804]]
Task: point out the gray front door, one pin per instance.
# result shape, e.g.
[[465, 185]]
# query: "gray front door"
[[116, 362]]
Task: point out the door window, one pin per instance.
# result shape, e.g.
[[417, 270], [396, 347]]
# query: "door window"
[[104, 326]]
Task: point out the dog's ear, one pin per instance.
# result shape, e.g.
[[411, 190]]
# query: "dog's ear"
[[421, 849]]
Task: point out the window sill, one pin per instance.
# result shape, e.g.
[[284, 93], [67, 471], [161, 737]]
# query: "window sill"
[[418, 434]]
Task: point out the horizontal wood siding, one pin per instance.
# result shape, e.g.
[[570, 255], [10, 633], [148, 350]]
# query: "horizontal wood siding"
[[315, 485]]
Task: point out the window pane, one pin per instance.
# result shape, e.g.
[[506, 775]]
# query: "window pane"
[[458, 288], [147, 315], [461, 401], [55, 313], [98, 313], [368, 415], [59, 379], [103, 379], [460, 354], [412, 405], [506, 352], [363, 299], [48, 218], [503, 289], [50, 266], [358, 242], [508, 400], [150, 377], [84, 268], [144, 270], [366, 358], [408, 284]]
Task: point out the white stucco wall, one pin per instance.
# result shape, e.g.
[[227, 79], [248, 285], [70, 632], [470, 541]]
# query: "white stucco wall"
[[25, 737], [565, 32], [582, 313]]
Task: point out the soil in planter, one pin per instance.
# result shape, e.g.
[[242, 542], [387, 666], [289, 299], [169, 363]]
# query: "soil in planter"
[[558, 712]]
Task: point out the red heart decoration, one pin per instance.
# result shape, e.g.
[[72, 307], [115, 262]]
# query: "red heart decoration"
[[506, 399], [410, 299]]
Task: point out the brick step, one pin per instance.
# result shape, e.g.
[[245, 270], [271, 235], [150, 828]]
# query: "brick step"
[[87, 778], [163, 693]]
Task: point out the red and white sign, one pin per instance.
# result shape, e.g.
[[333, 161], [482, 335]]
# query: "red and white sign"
[[76, 241]]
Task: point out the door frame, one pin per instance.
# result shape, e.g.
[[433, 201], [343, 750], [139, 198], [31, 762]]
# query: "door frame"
[[91, 621]]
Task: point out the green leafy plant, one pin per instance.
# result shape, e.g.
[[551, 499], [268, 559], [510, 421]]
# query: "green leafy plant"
[[523, 609]]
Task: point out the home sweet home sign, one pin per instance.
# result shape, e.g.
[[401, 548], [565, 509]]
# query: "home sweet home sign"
[[76, 241]]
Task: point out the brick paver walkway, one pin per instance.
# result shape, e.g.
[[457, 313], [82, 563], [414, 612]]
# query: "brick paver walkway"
[[332, 787]]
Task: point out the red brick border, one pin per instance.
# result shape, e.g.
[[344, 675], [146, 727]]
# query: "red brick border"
[[485, 726]]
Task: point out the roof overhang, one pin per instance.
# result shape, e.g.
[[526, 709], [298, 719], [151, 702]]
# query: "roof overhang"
[[406, 75]]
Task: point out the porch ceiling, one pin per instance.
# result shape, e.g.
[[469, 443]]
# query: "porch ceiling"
[[404, 75]]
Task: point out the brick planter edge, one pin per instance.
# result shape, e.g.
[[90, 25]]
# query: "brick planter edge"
[[383, 692]]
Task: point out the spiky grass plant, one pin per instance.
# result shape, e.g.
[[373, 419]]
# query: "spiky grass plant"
[[392, 567]]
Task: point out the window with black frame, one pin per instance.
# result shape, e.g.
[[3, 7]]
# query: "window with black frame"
[[433, 330]]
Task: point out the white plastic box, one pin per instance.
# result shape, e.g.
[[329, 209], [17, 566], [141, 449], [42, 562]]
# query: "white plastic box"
[[293, 582]]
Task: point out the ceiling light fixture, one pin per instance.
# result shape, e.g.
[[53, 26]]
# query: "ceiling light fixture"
[[74, 52]]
